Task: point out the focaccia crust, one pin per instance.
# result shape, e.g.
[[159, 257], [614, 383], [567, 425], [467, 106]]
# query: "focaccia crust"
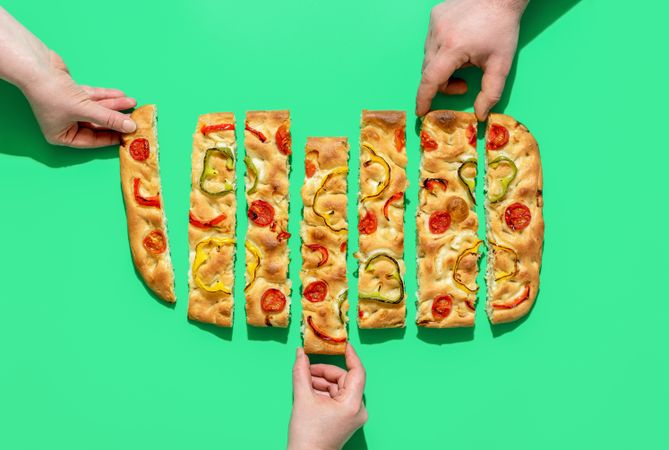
[[146, 220], [325, 182], [447, 259], [383, 182], [267, 246], [526, 188], [212, 221]]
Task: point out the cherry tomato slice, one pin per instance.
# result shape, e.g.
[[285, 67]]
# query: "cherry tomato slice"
[[426, 142], [431, 183], [397, 196], [140, 149], [155, 242], [283, 140], [441, 306], [273, 301], [144, 201], [439, 222], [517, 216], [316, 291], [400, 138], [206, 129], [322, 334], [256, 133], [471, 135], [205, 224], [261, 213], [325, 255], [367, 224], [498, 136], [309, 168]]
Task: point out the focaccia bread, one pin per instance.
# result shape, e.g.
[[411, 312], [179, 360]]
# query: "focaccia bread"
[[147, 224], [324, 232], [268, 146], [383, 181], [446, 223], [515, 221], [211, 227]]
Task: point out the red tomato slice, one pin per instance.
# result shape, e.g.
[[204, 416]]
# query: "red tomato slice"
[[471, 135], [342, 247], [316, 291], [283, 140], [517, 216], [206, 129], [400, 138], [439, 222], [256, 133], [155, 242], [367, 224], [261, 213], [309, 168], [144, 201], [426, 142], [498, 136], [325, 255], [322, 334], [273, 301], [140, 149], [441, 306], [205, 224], [397, 196]]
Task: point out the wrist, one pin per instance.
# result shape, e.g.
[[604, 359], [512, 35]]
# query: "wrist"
[[515, 6]]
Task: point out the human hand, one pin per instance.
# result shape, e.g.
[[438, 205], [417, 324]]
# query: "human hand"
[[327, 403], [483, 33], [68, 114]]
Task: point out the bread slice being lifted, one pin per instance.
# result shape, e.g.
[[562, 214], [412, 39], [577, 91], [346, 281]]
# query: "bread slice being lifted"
[[147, 224]]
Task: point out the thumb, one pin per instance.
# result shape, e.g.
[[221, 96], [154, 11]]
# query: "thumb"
[[355, 378], [107, 118], [301, 374], [492, 86]]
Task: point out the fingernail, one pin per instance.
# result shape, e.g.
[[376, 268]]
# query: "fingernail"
[[128, 126]]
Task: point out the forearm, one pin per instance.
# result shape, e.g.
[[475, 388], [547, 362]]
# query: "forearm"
[[517, 6], [23, 57]]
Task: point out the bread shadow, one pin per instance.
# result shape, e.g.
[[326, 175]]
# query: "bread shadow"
[[267, 333], [441, 336], [22, 137], [224, 333], [380, 335]]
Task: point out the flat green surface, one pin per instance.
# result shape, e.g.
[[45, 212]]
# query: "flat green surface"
[[89, 360]]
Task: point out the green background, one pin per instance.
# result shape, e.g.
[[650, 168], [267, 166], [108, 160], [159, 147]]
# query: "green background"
[[90, 360]]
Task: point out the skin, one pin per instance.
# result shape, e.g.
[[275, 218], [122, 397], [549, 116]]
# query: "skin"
[[327, 403], [462, 33], [68, 113]]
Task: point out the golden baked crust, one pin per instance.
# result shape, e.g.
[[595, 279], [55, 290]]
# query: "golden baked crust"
[[147, 225], [514, 257], [324, 231], [211, 227], [447, 254], [383, 182], [267, 169]]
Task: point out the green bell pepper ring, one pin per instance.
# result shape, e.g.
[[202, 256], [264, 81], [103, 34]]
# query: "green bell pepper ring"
[[209, 172], [252, 169], [340, 302], [377, 296], [506, 181], [470, 183]]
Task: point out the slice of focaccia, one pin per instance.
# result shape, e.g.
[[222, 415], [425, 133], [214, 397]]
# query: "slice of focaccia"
[[211, 227], [268, 146], [383, 181], [514, 215], [324, 233], [147, 224], [446, 223]]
